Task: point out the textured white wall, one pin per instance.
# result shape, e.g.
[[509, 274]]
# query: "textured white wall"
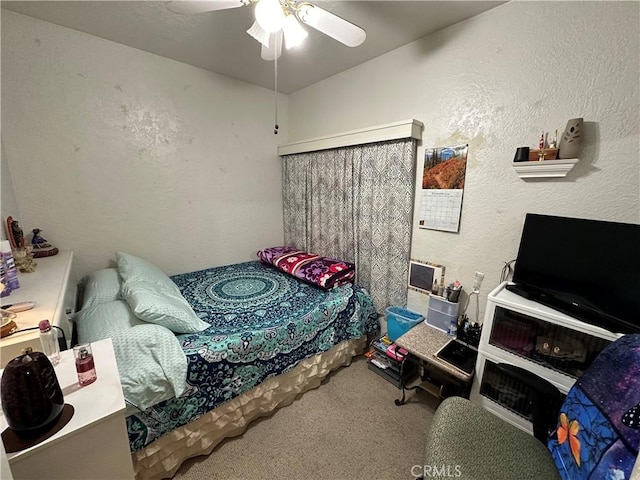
[[8, 203], [496, 81], [112, 148]]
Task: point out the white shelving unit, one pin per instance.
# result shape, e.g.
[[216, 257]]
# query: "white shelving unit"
[[545, 168], [505, 310]]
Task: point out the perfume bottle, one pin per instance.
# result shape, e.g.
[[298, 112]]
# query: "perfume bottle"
[[85, 368], [49, 342]]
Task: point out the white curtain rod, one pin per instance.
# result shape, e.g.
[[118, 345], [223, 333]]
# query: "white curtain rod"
[[379, 133]]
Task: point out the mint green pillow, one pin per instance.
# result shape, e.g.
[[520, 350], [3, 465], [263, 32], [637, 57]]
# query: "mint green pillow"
[[103, 320], [151, 364], [132, 268], [161, 305], [101, 286]]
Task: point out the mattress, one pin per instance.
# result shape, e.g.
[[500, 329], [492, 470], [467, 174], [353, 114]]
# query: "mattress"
[[263, 324]]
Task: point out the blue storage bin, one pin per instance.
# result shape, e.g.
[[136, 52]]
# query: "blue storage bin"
[[400, 321]]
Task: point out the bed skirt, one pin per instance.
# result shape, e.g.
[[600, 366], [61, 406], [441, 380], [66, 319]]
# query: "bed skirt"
[[163, 457]]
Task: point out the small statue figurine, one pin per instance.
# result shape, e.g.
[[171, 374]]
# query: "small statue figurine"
[[41, 248], [23, 258], [16, 238], [22, 254], [37, 239]]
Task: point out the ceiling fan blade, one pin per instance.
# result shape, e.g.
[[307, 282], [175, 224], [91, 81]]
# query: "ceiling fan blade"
[[332, 25], [274, 50], [189, 7]]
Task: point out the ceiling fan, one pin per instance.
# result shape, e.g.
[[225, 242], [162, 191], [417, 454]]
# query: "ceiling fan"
[[276, 19]]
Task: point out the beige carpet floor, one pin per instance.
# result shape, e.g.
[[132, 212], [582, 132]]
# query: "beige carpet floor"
[[348, 428]]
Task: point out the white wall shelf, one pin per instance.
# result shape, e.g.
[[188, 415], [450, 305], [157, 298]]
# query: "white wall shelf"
[[545, 168]]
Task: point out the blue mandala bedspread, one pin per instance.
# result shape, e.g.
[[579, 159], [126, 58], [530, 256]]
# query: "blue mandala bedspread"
[[263, 322]]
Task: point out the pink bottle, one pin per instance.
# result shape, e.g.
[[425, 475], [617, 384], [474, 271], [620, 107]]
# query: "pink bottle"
[[85, 367]]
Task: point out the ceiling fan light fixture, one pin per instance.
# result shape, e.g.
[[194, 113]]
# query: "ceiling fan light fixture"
[[274, 49], [269, 15], [259, 33], [329, 24], [294, 34]]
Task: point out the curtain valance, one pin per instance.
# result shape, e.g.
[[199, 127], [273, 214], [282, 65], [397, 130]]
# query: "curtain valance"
[[378, 133]]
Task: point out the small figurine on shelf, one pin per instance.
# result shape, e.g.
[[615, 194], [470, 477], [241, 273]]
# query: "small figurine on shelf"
[[23, 258], [22, 254], [541, 152], [547, 148], [16, 237], [41, 248], [37, 239]]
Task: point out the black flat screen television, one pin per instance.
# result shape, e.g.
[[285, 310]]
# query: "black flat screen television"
[[588, 269]]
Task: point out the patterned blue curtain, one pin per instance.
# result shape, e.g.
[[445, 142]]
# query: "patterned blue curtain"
[[356, 204]]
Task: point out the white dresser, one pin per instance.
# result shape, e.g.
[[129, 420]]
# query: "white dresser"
[[53, 289]]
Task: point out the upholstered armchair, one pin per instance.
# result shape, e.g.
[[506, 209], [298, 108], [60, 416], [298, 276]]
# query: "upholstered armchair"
[[596, 429]]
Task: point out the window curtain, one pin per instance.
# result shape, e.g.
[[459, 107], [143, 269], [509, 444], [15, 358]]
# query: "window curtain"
[[355, 204]]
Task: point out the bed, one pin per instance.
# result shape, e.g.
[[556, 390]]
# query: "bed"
[[268, 338]]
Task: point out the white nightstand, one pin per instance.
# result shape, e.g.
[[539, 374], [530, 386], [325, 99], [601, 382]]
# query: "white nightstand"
[[94, 444], [50, 287]]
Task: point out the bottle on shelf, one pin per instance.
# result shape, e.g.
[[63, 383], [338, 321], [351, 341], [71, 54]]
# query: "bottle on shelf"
[[452, 331], [49, 342], [85, 367]]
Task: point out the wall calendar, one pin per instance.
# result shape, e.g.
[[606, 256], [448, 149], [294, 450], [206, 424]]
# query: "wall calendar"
[[442, 188]]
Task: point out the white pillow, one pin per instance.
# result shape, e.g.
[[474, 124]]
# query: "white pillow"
[[132, 268], [151, 364], [164, 306], [103, 320], [101, 286]]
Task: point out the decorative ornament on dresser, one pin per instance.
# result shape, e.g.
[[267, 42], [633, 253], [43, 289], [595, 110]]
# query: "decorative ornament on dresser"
[[41, 248], [22, 254], [571, 140]]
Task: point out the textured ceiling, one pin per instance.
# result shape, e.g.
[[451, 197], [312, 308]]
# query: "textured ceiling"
[[217, 41]]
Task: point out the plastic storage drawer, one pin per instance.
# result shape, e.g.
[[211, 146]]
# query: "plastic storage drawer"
[[441, 312]]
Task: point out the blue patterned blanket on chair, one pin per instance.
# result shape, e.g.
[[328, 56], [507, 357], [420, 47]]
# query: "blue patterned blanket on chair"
[[263, 322], [598, 434]]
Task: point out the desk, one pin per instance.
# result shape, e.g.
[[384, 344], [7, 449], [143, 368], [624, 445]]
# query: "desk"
[[49, 286], [94, 444], [441, 378]]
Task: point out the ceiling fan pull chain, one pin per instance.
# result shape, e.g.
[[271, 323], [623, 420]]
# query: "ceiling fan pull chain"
[[275, 90]]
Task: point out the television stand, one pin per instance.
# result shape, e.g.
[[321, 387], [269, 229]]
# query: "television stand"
[[522, 332]]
